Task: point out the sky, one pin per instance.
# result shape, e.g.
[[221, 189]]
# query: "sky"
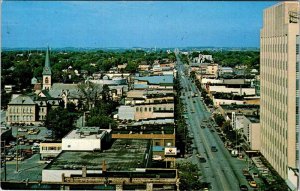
[[131, 24]]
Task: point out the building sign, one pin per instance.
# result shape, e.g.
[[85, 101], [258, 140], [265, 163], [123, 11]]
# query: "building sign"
[[170, 151]]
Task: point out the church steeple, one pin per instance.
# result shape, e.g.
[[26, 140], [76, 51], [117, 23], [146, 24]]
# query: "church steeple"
[[47, 72], [47, 68]]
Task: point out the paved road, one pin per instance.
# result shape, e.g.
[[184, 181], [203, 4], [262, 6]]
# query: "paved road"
[[221, 170]]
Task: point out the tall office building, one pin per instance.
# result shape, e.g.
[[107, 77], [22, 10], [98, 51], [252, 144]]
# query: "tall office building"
[[279, 70]]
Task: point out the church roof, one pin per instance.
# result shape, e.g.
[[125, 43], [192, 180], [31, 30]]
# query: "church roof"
[[22, 99], [47, 68]]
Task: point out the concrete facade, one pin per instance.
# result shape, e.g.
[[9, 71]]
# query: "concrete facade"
[[84, 141], [250, 129], [278, 86]]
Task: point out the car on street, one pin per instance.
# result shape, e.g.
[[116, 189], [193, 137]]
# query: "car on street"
[[253, 184], [246, 172], [214, 149], [243, 188], [202, 159], [255, 174], [249, 178]]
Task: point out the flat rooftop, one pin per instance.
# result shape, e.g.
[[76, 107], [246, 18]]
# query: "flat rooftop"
[[145, 129], [87, 133], [245, 106], [124, 154]]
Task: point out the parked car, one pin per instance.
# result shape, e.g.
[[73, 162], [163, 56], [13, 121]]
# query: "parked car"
[[249, 178], [253, 184], [243, 188], [214, 149], [202, 159], [246, 172], [255, 174], [22, 129]]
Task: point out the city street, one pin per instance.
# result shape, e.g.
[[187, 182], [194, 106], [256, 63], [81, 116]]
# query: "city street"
[[221, 170]]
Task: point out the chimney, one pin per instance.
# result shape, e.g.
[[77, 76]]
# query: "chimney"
[[84, 171], [103, 166]]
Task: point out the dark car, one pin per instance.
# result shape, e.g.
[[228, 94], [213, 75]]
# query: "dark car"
[[214, 149], [243, 188], [248, 177], [202, 159]]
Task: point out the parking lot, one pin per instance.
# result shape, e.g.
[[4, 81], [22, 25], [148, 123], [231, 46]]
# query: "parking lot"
[[30, 169], [23, 149]]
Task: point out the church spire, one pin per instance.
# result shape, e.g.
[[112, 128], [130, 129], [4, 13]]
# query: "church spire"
[[47, 68]]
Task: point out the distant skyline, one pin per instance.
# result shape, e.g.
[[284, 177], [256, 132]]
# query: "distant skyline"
[[131, 24]]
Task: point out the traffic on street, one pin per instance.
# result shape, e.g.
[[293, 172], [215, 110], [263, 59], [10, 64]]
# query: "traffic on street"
[[218, 168]]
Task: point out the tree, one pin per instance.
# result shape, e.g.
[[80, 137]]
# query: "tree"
[[189, 176], [90, 93], [60, 121], [131, 67], [219, 119], [100, 115], [105, 93]]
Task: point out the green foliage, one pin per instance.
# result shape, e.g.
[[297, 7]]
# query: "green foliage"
[[189, 176], [71, 107], [132, 67], [61, 121], [233, 58], [5, 98], [184, 58], [100, 115], [30, 64], [105, 93], [90, 94], [219, 119]]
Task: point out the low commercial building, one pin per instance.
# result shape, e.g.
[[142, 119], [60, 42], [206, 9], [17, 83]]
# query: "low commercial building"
[[235, 91], [86, 139], [160, 134], [225, 70], [50, 149], [212, 69], [146, 111], [124, 155], [155, 82]]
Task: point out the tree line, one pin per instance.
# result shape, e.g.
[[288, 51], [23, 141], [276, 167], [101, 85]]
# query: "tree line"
[[18, 67]]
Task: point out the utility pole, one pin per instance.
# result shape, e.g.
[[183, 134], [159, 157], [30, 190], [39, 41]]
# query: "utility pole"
[[17, 149], [4, 151]]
